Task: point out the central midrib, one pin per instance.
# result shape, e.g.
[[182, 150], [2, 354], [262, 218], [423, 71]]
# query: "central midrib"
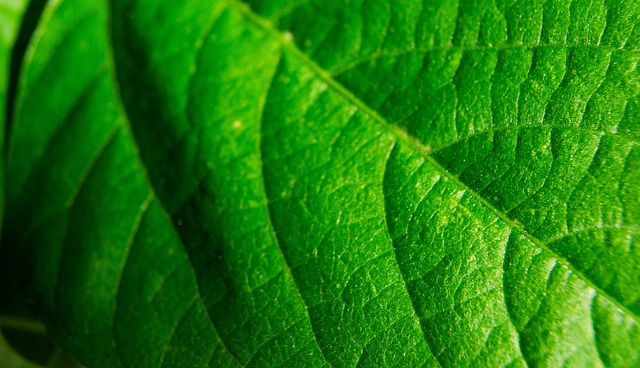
[[415, 144]]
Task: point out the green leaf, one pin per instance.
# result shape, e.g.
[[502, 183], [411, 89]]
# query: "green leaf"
[[10, 358], [10, 14], [373, 183]]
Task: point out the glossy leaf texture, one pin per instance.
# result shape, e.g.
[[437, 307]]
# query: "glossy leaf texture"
[[332, 183]]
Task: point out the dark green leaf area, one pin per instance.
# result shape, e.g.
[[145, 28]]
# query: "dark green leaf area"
[[85, 222]]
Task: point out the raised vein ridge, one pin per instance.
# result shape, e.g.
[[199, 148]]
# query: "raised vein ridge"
[[415, 144]]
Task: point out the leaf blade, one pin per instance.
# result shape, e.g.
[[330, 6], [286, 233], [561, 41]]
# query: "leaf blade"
[[233, 126]]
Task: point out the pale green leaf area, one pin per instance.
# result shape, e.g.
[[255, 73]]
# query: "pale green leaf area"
[[331, 183], [11, 359]]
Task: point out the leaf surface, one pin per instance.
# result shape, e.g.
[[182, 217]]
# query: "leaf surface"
[[10, 14], [324, 183]]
